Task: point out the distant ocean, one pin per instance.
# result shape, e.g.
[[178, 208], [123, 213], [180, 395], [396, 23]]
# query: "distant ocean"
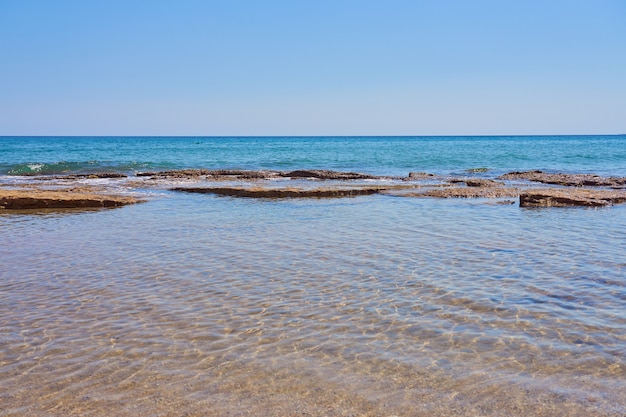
[[192, 304], [603, 155]]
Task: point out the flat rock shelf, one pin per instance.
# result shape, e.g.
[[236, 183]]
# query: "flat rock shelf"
[[60, 199], [531, 188]]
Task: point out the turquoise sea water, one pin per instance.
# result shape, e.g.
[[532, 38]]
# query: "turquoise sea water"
[[603, 155], [194, 304]]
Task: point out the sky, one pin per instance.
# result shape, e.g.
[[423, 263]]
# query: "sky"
[[312, 67]]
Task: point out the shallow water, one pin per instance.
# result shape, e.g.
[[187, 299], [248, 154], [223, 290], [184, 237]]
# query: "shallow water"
[[378, 305]]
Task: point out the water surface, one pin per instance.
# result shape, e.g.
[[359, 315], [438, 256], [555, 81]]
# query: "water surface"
[[378, 305]]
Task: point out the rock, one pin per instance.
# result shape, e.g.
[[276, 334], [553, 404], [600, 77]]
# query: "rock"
[[38, 199], [280, 192], [577, 180], [570, 197], [419, 175], [184, 173], [81, 176], [543, 200], [97, 175], [240, 174], [261, 174], [475, 182], [468, 192], [328, 175], [537, 197]]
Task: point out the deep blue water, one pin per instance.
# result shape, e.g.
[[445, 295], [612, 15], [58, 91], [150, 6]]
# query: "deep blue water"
[[604, 155]]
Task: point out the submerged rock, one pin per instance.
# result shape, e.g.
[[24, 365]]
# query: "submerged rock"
[[475, 182], [419, 175]]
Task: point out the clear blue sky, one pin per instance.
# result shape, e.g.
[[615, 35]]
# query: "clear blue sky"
[[312, 67]]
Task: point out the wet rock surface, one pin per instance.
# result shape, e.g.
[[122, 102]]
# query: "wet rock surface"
[[96, 175], [218, 174], [576, 180], [61, 199], [468, 192], [226, 174], [281, 192], [328, 175], [420, 175], [476, 182], [568, 198], [585, 190]]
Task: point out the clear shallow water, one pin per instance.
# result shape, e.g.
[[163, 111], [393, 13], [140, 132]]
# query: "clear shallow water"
[[379, 305]]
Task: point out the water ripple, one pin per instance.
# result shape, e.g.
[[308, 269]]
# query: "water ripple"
[[182, 304]]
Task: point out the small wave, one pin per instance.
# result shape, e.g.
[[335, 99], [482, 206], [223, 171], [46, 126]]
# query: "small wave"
[[66, 167], [25, 169]]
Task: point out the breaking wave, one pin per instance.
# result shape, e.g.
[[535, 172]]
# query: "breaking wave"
[[67, 167]]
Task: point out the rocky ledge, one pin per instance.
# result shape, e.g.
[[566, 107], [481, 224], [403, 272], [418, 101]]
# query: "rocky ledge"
[[544, 197], [25, 199], [568, 189], [258, 192], [551, 197], [574, 189], [230, 174], [575, 180]]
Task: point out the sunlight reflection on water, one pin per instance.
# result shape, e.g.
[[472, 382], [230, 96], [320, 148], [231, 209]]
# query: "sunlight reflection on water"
[[369, 302]]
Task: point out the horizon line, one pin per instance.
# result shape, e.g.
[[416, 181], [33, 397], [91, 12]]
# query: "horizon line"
[[313, 136]]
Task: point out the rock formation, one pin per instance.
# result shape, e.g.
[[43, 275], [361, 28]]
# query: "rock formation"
[[40, 199], [281, 192]]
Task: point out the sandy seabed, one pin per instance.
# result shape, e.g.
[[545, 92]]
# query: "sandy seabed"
[[252, 390]]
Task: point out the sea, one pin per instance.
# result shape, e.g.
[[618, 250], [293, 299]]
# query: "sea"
[[378, 305]]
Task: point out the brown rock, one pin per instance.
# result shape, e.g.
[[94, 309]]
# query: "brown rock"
[[569, 197], [419, 175], [543, 200], [37, 199], [280, 192], [184, 173], [243, 174], [327, 175], [468, 192], [577, 180], [475, 182], [94, 175]]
